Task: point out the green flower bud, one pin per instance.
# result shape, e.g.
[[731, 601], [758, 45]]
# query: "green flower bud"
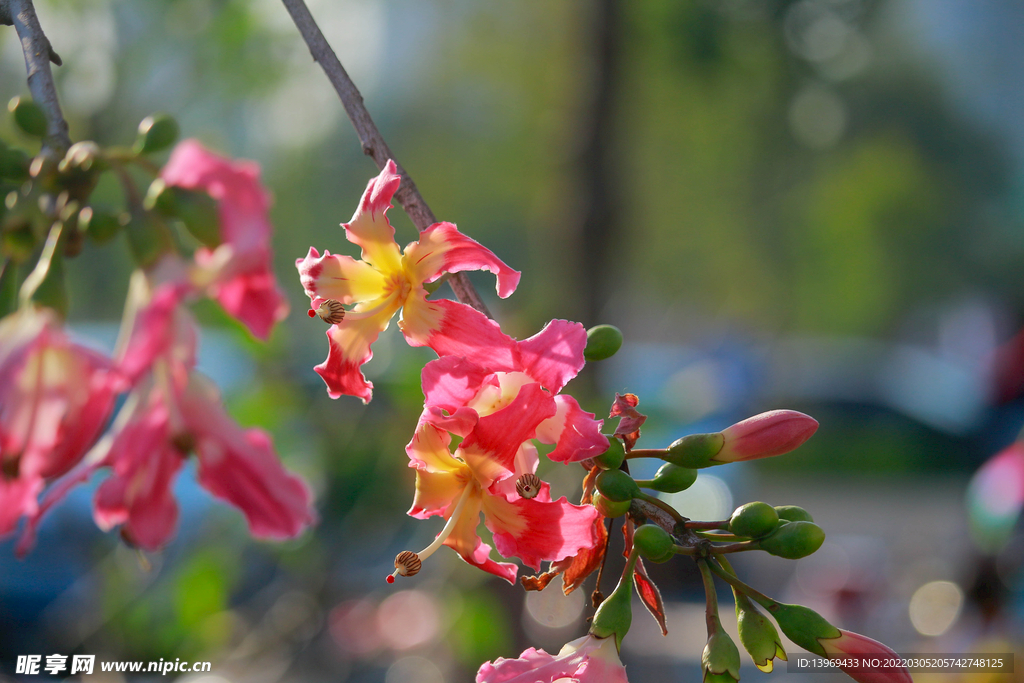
[[148, 238], [672, 478], [610, 508], [603, 341], [803, 626], [615, 614], [757, 635], [653, 542], [160, 198], [754, 520], [156, 133], [612, 458], [617, 485], [695, 451], [101, 226], [17, 239], [793, 513], [720, 656], [14, 164], [28, 116], [793, 540]]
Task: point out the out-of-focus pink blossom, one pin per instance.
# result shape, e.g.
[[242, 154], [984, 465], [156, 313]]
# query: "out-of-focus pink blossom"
[[55, 399], [585, 660], [762, 436], [387, 280], [237, 273], [850, 644]]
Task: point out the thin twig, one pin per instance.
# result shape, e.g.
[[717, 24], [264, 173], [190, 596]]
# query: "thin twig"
[[372, 141], [38, 53]]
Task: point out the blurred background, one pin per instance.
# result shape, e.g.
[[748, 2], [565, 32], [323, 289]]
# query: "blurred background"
[[810, 204]]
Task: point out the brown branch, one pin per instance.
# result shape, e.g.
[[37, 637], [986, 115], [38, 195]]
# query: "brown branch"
[[373, 142], [38, 53]]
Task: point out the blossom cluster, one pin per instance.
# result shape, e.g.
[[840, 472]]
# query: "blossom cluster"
[[57, 398]]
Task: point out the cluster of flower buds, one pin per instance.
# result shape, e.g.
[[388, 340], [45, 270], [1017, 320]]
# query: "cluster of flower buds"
[[499, 397], [56, 397]]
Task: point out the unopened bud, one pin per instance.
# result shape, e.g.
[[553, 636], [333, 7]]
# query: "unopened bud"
[[28, 116], [330, 311], [617, 485], [721, 657], [528, 486], [653, 543], [757, 635], [615, 615], [754, 520], [793, 540], [672, 478], [803, 626], [762, 436], [610, 508], [156, 132], [694, 451], [612, 458], [793, 513], [603, 341]]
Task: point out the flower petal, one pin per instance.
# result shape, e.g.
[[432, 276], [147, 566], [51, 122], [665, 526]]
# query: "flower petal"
[[350, 342], [584, 660], [340, 277], [491, 448], [138, 494], [428, 450], [436, 491], [536, 531], [452, 382], [443, 249], [370, 228], [239, 466], [454, 329], [554, 355], [576, 432], [18, 497], [251, 297], [465, 541]]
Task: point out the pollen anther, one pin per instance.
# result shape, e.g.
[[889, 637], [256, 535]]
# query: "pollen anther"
[[331, 311], [408, 563], [528, 486]]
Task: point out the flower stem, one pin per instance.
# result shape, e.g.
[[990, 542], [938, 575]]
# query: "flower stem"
[[724, 524], [657, 502], [734, 581], [645, 453], [711, 611]]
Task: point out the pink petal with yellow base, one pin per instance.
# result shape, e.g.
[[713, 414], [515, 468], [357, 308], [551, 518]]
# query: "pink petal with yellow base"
[[554, 355], [370, 228], [465, 541], [350, 342], [454, 329], [574, 430], [441, 249]]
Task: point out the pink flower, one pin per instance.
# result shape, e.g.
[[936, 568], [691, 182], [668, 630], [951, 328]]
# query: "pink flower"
[[235, 465], [237, 273], [172, 412], [459, 391], [55, 399], [482, 477], [849, 643], [387, 280], [585, 660], [762, 436]]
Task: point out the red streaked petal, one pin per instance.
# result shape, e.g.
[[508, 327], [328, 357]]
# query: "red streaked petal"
[[536, 531], [350, 342], [554, 355], [576, 432], [370, 228], [452, 382], [491, 448], [443, 249], [454, 329]]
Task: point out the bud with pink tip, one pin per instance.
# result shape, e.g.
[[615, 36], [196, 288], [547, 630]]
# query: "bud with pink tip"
[[762, 436]]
